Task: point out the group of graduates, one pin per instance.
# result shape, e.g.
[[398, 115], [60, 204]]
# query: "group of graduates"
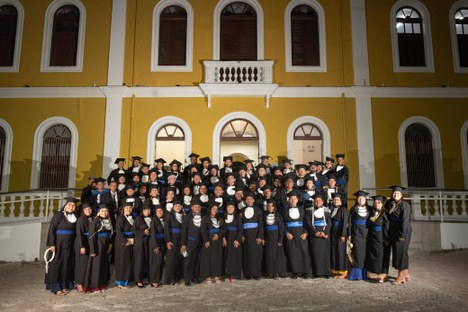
[[205, 223]]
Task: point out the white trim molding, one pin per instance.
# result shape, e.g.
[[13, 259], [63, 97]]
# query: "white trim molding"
[[7, 156], [37, 149], [313, 120], [265, 90], [427, 35], [464, 147], [436, 148], [217, 26], [19, 36], [456, 57], [188, 67], [321, 32], [158, 124], [48, 31], [216, 157]]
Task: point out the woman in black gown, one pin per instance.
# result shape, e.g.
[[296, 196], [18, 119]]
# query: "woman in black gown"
[[157, 247], [82, 245], [172, 234], [274, 257], [60, 239], [141, 228], [252, 221], [191, 242], [124, 240], [232, 243], [339, 236]]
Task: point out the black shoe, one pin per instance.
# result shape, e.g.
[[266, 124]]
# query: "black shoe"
[[304, 276], [294, 276], [257, 278], [247, 278], [188, 283], [195, 281]]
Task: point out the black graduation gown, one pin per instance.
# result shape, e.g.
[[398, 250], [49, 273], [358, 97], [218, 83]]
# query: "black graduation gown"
[[123, 254], [399, 217], [87, 194], [114, 175], [319, 246], [192, 239], [281, 197], [297, 249], [252, 252], [140, 249], [211, 258], [358, 232], [97, 271], [375, 244], [339, 228], [61, 270], [156, 260], [274, 256], [81, 241], [232, 255], [342, 178], [98, 198], [172, 233]]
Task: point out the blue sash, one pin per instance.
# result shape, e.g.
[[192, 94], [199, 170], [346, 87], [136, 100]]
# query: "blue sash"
[[193, 238], [377, 228], [232, 228], [336, 223], [341, 182], [250, 225], [85, 233], [294, 224], [273, 227], [127, 233], [65, 232], [213, 231], [319, 223], [159, 236], [360, 222], [103, 234], [175, 230]]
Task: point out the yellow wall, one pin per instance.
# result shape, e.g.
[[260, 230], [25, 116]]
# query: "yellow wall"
[[449, 116], [139, 36], [25, 115], [96, 48], [380, 48]]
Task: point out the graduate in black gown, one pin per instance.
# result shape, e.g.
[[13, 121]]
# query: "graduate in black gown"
[[273, 254], [60, 239], [124, 240], [358, 231], [157, 247], [339, 235], [100, 246], [376, 238], [192, 242], [211, 254], [253, 235], [296, 245], [319, 224], [172, 234], [142, 230], [232, 240], [399, 233], [82, 245]]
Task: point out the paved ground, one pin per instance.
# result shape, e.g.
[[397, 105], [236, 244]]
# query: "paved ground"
[[438, 283]]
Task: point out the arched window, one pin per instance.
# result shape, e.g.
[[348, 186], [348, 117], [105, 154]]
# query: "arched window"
[[411, 37], [170, 143], [2, 152], [419, 156], [308, 143], [459, 29], [55, 158], [11, 28], [239, 135], [172, 36], [64, 36]]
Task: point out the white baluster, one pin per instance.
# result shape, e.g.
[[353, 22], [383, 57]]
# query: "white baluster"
[[21, 207], [445, 211], [416, 207], [2, 205], [41, 205], [463, 205]]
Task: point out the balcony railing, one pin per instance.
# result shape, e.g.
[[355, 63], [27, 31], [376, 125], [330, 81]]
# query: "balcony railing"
[[238, 71]]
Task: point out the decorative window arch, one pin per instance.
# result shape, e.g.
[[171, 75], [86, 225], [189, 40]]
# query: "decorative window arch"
[[464, 145], [52, 27], [6, 141], [320, 40], [220, 125], [161, 7], [422, 124], [217, 26], [12, 49], [415, 33], [176, 127], [458, 18], [39, 145], [308, 120], [239, 130]]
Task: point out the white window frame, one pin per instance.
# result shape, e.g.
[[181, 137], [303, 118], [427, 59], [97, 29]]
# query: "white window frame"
[[217, 27], [326, 137], [38, 144], [157, 125], [322, 37], [237, 115], [464, 147], [14, 68], [47, 39], [427, 35], [436, 149], [7, 157], [456, 58], [188, 67]]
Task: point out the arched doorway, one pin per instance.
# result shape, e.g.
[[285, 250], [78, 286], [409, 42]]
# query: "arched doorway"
[[308, 143], [239, 138], [170, 143]]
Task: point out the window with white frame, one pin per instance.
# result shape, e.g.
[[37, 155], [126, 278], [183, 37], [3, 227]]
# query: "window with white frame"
[[172, 45], [305, 41], [459, 29], [411, 37], [63, 42], [11, 30]]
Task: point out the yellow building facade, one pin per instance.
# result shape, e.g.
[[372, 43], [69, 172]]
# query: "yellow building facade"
[[117, 96]]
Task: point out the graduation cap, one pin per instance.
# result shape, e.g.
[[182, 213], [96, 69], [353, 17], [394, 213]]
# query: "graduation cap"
[[360, 193], [171, 176], [86, 205], [175, 161], [136, 158], [340, 155], [153, 186], [135, 174], [294, 193], [288, 176], [177, 202], [92, 178], [331, 176], [70, 199], [193, 155], [205, 159], [100, 180], [268, 187], [102, 206], [329, 159], [196, 173], [338, 195], [287, 161], [313, 163], [318, 195], [397, 188], [319, 163], [248, 161], [231, 203], [276, 168], [218, 184], [379, 197], [119, 160], [249, 194], [260, 166], [239, 188], [263, 157], [145, 165], [146, 206], [213, 166], [130, 186], [158, 206], [195, 202], [213, 203], [160, 160], [300, 166], [227, 158], [242, 167]]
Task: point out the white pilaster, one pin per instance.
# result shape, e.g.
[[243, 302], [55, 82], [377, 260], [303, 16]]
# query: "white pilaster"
[[359, 35], [117, 43]]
